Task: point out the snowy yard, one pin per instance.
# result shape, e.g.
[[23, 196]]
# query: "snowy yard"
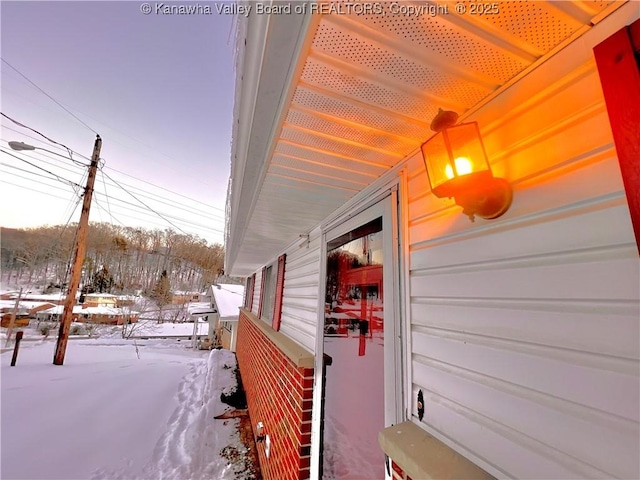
[[107, 414]]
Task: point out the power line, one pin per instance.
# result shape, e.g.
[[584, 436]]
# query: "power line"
[[117, 200], [141, 202], [151, 196], [34, 181], [120, 214], [155, 197], [199, 212], [167, 217], [47, 162], [42, 141], [43, 169], [33, 130], [178, 219], [167, 190], [49, 96], [37, 149], [110, 213]]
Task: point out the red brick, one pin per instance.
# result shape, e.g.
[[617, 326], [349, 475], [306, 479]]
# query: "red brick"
[[278, 394]]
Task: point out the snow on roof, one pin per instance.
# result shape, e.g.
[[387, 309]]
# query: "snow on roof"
[[46, 297], [199, 308], [103, 295], [182, 329], [101, 310], [228, 299]]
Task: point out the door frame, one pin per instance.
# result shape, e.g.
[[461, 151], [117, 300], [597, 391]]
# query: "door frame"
[[383, 203]]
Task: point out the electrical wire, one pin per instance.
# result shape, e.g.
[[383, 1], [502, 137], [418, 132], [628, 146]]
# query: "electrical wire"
[[159, 199], [58, 177], [167, 190], [34, 130], [120, 214], [70, 152], [178, 219], [151, 195], [35, 181], [49, 96], [55, 165], [36, 139], [117, 200], [147, 206], [104, 185]]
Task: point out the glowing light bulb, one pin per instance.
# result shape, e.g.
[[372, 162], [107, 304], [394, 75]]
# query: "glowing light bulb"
[[463, 167]]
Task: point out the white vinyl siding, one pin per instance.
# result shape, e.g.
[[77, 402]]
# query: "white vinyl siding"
[[257, 289], [300, 297], [524, 330]]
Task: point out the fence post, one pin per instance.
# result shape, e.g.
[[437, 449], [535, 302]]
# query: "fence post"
[[15, 348]]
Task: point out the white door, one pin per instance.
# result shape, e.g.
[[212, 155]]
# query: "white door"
[[359, 346]]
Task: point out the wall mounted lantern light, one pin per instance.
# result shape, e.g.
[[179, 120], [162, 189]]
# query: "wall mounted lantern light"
[[458, 168]]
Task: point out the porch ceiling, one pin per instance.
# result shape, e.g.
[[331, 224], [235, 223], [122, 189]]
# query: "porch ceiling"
[[359, 97]]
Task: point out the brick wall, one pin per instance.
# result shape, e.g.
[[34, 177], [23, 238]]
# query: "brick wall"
[[279, 394]]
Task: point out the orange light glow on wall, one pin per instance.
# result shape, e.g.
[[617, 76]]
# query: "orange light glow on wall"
[[458, 168]]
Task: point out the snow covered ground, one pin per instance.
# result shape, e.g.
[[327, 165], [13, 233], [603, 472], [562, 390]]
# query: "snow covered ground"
[[107, 414]]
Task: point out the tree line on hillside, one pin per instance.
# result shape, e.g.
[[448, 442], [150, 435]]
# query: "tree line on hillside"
[[118, 259]]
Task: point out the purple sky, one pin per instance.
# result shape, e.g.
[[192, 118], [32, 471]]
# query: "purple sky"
[[157, 88]]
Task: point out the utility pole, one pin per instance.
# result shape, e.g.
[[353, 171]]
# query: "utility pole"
[[78, 259]]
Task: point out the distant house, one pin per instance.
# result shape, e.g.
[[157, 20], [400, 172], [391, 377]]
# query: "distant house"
[[54, 298], [180, 297], [125, 300], [26, 311], [21, 320], [100, 300], [8, 295], [227, 300], [84, 313]]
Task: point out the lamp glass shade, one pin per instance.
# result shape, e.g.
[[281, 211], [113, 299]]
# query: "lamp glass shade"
[[455, 158]]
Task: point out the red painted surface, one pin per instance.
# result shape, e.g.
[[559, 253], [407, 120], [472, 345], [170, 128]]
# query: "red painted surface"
[[279, 394], [277, 304], [620, 79], [262, 282], [397, 473]]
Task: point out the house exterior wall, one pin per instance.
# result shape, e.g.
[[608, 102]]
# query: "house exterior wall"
[[257, 289], [300, 296], [279, 391], [21, 320], [524, 330], [225, 336]]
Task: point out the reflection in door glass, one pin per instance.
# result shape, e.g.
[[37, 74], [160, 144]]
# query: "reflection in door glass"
[[353, 339]]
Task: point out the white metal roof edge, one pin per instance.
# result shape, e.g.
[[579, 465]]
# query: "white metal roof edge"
[[262, 95]]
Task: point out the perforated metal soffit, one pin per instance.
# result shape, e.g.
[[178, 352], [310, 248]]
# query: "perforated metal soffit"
[[373, 81]]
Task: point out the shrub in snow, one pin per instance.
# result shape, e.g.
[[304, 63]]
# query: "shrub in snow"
[[46, 328]]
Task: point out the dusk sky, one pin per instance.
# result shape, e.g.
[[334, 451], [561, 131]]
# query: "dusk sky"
[[158, 89]]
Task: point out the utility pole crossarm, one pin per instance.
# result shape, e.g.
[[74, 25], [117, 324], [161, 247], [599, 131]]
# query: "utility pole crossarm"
[[78, 259]]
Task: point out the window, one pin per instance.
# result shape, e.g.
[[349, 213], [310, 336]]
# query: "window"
[[267, 293], [272, 290], [248, 292]]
